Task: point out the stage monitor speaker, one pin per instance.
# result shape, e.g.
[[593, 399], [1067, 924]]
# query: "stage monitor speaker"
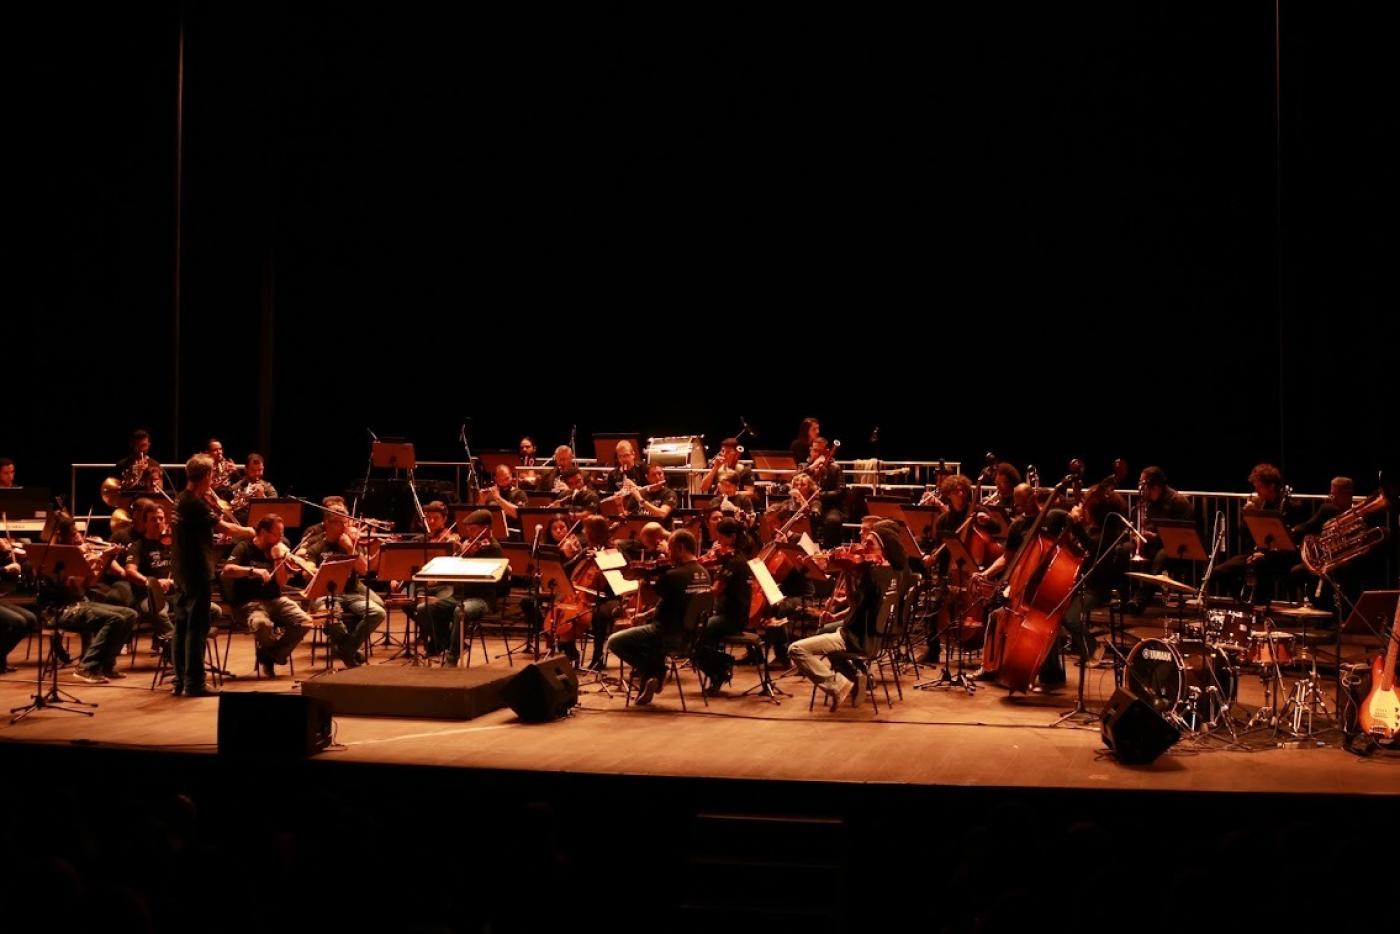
[[543, 691], [1135, 732], [254, 725]]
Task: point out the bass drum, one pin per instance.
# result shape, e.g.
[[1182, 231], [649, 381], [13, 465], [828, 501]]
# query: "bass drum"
[[682, 451], [1170, 677]]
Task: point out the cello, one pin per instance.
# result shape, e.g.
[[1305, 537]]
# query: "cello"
[[1039, 582]]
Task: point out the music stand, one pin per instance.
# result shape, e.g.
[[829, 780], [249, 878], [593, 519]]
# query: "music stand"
[[288, 509], [1180, 540], [493, 459], [532, 517], [460, 511], [906, 538], [774, 465], [53, 560], [687, 519], [957, 551], [886, 507], [539, 499], [1268, 531], [769, 524], [920, 519], [1372, 613], [702, 501], [400, 561], [394, 455]]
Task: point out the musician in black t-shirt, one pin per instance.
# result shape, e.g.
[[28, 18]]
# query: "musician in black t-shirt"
[[360, 610], [627, 468], [192, 569], [1268, 569], [728, 459], [148, 571], [579, 500], [504, 493], [1161, 502], [733, 585], [254, 573], [659, 502], [807, 432], [644, 647]]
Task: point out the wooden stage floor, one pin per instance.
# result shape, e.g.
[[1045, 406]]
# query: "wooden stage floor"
[[932, 738]]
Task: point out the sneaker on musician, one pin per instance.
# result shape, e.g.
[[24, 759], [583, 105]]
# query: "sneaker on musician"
[[841, 691], [649, 688], [90, 675]]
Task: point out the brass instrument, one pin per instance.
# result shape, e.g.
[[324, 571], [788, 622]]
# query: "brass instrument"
[[1141, 517], [1344, 538], [252, 489]]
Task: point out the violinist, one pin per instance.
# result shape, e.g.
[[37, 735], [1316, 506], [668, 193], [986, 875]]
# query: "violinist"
[[653, 539], [470, 601], [148, 564], [563, 538], [16, 621], [252, 486], [505, 494], [315, 532], [1266, 569], [956, 493], [1026, 508], [831, 488], [656, 499], [104, 627], [880, 547], [255, 572], [728, 459], [727, 563], [359, 610], [644, 647], [192, 570], [731, 500], [627, 468], [807, 434]]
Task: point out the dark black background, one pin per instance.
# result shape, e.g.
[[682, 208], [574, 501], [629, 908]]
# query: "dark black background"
[[1050, 232]]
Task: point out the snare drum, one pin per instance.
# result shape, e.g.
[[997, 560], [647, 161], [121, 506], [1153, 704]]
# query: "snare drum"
[[1270, 648]]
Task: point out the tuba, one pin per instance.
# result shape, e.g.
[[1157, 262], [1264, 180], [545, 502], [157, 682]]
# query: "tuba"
[[1343, 539]]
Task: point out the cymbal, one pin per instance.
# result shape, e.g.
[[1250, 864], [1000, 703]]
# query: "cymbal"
[[1163, 581], [1298, 612]]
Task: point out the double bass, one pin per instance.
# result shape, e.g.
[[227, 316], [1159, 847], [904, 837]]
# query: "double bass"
[[1039, 582]]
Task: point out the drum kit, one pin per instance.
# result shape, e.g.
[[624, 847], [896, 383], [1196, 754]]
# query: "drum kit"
[[1191, 674]]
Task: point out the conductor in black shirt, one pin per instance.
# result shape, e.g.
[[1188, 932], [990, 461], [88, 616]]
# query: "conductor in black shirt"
[[644, 647], [192, 540]]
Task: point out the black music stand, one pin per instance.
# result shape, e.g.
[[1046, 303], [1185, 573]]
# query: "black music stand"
[[887, 507], [605, 445], [288, 509], [776, 466], [46, 560], [393, 455], [330, 579], [400, 561], [531, 517], [920, 519], [1267, 528], [1180, 540], [772, 596], [957, 555], [490, 460]]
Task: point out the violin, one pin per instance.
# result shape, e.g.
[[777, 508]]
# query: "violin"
[[474, 545]]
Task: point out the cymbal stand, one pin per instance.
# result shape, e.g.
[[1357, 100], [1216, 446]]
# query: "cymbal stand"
[[1271, 675]]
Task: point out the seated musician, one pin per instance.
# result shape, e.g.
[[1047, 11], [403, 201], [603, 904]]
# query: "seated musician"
[[1025, 507], [530, 476], [728, 459], [16, 622], [801, 498], [627, 468], [472, 601], [645, 647], [727, 563], [1340, 494], [253, 486], [505, 494], [653, 540], [225, 471], [104, 627], [730, 499], [807, 433], [579, 500], [659, 500], [255, 585], [1006, 477], [710, 531], [7, 473], [1163, 502], [359, 610], [831, 490], [313, 533], [138, 470], [854, 625], [1268, 570], [607, 608], [148, 568], [956, 492], [552, 479]]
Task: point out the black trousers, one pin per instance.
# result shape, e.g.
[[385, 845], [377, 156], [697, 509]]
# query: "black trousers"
[[192, 611]]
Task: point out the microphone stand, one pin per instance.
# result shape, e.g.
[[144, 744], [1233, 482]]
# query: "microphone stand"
[[369, 467]]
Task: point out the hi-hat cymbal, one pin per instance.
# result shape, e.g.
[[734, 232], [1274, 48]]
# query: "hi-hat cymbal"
[[1163, 581]]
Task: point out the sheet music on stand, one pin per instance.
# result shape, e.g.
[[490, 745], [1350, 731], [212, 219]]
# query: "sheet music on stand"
[[453, 570], [1180, 539], [771, 594], [330, 577]]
